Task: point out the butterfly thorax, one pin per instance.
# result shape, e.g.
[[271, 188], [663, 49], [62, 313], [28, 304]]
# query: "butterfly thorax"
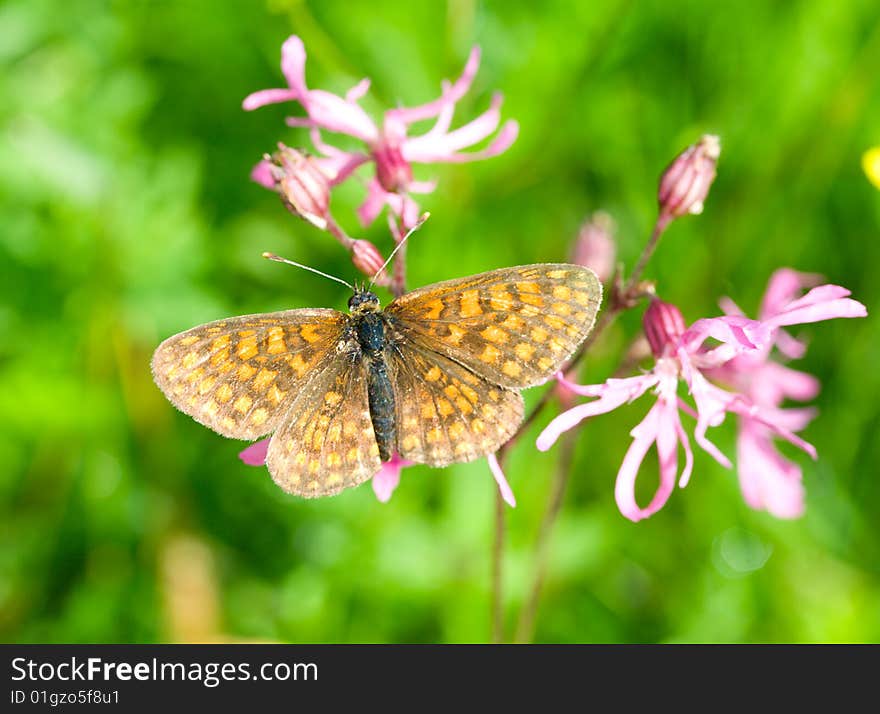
[[369, 328]]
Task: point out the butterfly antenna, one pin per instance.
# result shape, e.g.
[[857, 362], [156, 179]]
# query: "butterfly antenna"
[[279, 259], [424, 217]]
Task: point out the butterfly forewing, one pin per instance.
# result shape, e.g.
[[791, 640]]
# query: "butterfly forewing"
[[446, 412], [239, 376], [515, 327], [326, 443]]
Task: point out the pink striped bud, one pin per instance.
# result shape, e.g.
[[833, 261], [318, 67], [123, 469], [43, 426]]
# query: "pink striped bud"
[[686, 181], [367, 258], [595, 247], [304, 187], [664, 325]]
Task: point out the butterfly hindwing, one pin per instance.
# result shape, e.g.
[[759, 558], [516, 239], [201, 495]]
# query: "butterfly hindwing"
[[238, 376], [326, 441], [445, 412], [514, 326]]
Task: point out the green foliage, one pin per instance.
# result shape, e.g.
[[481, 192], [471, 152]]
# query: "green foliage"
[[127, 215]]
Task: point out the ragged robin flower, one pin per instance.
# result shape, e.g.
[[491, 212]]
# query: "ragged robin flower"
[[681, 354], [388, 145]]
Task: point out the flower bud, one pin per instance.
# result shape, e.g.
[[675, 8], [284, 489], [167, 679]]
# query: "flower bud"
[[595, 247], [303, 185], [393, 172], [664, 325], [367, 258], [685, 183]]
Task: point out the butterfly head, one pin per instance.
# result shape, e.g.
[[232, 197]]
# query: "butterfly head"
[[363, 301]]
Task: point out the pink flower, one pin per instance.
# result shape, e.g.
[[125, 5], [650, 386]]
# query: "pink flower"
[[388, 145], [680, 355], [767, 479]]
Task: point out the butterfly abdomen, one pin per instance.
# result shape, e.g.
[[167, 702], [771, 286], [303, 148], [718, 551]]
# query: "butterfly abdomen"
[[372, 341]]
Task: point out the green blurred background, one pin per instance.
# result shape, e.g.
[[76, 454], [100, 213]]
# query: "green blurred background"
[[126, 215]]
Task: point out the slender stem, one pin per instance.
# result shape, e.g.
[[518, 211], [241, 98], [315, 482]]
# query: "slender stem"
[[635, 276], [339, 233], [498, 571], [525, 627]]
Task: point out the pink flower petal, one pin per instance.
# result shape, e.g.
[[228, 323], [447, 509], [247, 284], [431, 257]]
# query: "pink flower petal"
[[436, 144], [455, 92], [373, 203], [293, 65], [421, 186], [262, 174], [644, 434], [614, 393], [712, 404], [667, 451], [688, 453], [255, 100], [255, 454], [738, 334], [408, 210], [784, 286], [729, 307], [503, 486], [335, 114], [387, 478], [768, 481], [823, 303], [585, 390], [789, 346], [357, 91], [773, 421], [437, 154], [788, 383]]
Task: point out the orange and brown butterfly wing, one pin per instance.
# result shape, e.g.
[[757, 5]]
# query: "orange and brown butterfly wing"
[[515, 327], [326, 442], [446, 412], [236, 376]]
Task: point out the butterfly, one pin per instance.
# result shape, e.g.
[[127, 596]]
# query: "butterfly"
[[433, 377]]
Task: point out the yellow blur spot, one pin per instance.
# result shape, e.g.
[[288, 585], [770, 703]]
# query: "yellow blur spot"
[[871, 165]]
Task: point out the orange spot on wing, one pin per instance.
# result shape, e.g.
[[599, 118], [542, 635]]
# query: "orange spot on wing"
[[433, 309], [247, 348], [276, 344], [310, 334], [469, 304]]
